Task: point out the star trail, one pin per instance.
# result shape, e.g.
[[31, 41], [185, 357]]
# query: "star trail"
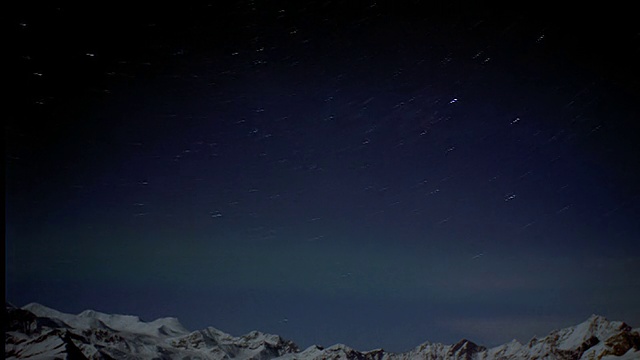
[[367, 174]]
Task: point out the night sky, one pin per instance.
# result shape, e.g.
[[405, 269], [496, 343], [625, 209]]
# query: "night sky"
[[371, 174]]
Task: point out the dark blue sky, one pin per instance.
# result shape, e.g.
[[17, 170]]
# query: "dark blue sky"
[[368, 174]]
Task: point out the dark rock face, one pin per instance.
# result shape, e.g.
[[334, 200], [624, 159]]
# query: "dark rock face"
[[621, 343], [19, 320], [577, 353], [465, 349], [73, 352]]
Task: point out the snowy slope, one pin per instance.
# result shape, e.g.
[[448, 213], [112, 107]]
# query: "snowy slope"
[[38, 332], [90, 319]]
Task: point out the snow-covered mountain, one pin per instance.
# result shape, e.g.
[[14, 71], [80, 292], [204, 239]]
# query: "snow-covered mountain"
[[38, 332]]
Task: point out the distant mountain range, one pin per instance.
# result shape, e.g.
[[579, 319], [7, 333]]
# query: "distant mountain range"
[[38, 332]]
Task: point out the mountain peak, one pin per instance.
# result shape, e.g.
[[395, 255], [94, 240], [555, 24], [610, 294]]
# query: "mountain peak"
[[37, 329], [37, 308], [91, 319], [465, 349], [595, 318]]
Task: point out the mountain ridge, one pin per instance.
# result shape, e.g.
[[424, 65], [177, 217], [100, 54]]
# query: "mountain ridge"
[[38, 332]]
